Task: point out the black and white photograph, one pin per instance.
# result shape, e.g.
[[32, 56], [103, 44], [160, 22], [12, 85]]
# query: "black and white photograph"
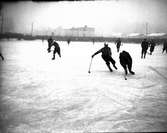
[[86, 66]]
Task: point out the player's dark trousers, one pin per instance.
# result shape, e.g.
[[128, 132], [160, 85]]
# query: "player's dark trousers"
[[56, 51], [143, 53], [118, 47], [127, 65], [151, 50], [109, 59]]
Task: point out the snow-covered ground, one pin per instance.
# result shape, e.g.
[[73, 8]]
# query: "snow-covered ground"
[[40, 95]]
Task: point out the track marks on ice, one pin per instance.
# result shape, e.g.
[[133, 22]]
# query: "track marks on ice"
[[155, 70]]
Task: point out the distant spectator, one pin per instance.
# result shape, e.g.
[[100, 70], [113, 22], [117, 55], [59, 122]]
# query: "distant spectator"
[[164, 46], [118, 44], [152, 46], [144, 46], [68, 41]]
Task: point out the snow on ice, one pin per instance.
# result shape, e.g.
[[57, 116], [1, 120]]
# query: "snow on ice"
[[43, 95]]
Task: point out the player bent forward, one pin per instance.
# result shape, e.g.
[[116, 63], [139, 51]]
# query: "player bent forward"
[[126, 62]]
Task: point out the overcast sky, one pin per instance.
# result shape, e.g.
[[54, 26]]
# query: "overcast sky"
[[107, 17]]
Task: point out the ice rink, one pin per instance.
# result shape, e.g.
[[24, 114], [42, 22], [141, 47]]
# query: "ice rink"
[[40, 95]]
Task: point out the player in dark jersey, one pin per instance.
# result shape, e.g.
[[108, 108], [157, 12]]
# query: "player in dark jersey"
[[106, 55], [51, 43], [126, 62]]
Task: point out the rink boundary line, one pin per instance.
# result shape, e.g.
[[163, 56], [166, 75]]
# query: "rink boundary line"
[[152, 68]]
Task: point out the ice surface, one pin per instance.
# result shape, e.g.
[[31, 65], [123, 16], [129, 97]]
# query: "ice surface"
[[40, 95]]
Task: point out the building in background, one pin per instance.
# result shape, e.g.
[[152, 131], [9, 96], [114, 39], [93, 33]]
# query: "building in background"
[[79, 31]]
